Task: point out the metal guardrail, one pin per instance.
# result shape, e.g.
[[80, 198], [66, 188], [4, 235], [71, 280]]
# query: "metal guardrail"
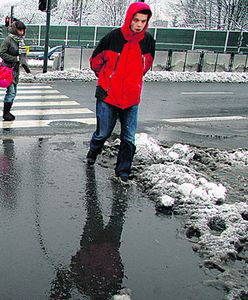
[[197, 61]]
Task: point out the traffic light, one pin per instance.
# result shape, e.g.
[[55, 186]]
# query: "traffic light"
[[7, 20], [42, 5]]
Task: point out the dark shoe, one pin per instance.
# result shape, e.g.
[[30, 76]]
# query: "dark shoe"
[[7, 116], [91, 157], [124, 178]]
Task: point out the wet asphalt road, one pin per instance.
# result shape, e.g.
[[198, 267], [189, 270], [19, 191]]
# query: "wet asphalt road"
[[72, 232], [163, 101], [57, 215]]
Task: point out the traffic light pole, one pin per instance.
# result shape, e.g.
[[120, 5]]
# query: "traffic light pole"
[[47, 35], [80, 22], [11, 14]]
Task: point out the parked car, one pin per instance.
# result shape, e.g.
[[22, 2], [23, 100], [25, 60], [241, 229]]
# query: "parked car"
[[35, 51], [52, 53]]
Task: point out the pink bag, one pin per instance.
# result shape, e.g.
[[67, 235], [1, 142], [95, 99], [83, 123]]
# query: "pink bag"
[[6, 76]]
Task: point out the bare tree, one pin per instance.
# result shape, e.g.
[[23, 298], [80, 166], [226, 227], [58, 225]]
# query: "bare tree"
[[113, 11], [193, 13], [83, 7], [214, 14]]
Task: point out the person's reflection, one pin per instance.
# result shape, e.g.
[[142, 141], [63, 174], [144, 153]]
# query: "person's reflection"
[[8, 175], [96, 270]]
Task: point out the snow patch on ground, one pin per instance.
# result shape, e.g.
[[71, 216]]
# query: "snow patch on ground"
[[159, 76], [196, 76], [218, 229], [124, 294]]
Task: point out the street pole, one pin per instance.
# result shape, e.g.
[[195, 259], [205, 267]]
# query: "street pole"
[[47, 35], [11, 14], [80, 21]]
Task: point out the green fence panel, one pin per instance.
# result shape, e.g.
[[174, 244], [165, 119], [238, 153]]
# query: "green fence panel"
[[102, 31], [58, 32], [244, 47], [166, 38], [4, 33], [211, 40], [233, 40], [32, 35], [73, 35], [86, 36], [151, 31], [57, 35], [171, 38]]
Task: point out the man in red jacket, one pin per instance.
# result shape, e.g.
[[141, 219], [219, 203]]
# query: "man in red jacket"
[[119, 61]]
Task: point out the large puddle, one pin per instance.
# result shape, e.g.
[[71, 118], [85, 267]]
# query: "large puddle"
[[70, 232]]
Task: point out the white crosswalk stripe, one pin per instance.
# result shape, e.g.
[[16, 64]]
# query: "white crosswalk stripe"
[[22, 86], [43, 97], [207, 93], [59, 111], [25, 92], [37, 106], [47, 103], [42, 123], [205, 119]]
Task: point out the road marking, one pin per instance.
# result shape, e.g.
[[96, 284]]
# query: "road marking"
[[43, 97], [59, 111], [47, 103], [36, 91], [29, 98], [42, 123], [205, 119], [207, 93], [23, 86]]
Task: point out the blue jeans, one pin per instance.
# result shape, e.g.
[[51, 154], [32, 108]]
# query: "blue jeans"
[[107, 115], [10, 93]]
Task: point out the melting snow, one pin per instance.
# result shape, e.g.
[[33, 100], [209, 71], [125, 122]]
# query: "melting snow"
[[218, 228], [88, 75]]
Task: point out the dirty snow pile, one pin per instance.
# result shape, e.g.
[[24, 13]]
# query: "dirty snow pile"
[[158, 76], [218, 229], [38, 63], [124, 294], [196, 76], [238, 156], [86, 75]]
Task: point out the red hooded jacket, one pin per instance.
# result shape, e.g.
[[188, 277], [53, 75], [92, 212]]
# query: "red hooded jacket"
[[121, 59]]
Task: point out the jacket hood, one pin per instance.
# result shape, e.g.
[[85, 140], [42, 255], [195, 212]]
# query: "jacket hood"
[[133, 9]]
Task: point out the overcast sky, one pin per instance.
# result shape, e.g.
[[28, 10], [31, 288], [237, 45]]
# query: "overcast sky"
[[11, 2]]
